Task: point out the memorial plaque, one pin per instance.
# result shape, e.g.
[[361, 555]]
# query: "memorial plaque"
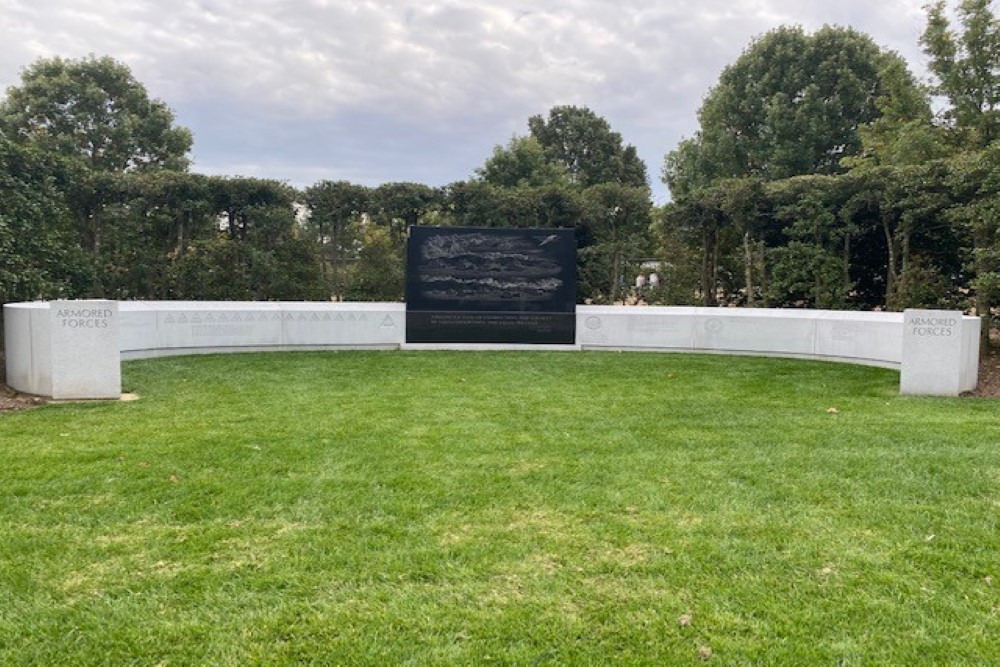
[[933, 353], [484, 285], [86, 362]]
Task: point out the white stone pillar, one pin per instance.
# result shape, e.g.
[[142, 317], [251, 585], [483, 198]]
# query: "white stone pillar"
[[937, 354], [86, 361]]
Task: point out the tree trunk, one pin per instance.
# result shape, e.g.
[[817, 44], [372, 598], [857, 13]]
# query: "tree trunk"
[[748, 267], [183, 225], [709, 265], [847, 264], [890, 274], [616, 273], [762, 262], [95, 231], [984, 305]]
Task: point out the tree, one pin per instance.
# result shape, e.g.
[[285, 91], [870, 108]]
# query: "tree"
[[967, 66], [904, 133], [701, 220], [614, 229], [94, 122], [335, 210], [584, 145], [39, 255], [813, 267], [93, 109], [792, 105], [521, 163], [975, 186], [397, 206], [378, 275], [255, 210]]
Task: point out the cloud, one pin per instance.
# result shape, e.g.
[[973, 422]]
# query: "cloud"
[[372, 81]]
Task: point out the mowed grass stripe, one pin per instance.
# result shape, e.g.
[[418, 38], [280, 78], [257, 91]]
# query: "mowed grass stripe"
[[513, 508]]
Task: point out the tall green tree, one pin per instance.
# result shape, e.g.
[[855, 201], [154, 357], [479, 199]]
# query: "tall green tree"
[[583, 144], [100, 123], [614, 229], [335, 212], [522, 163], [812, 267], [255, 210], [378, 275], [791, 105], [95, 110], [397, 206], [39, 254], [975, 187], [966, 64]]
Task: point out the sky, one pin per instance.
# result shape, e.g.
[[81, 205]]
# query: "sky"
[[375, 91]]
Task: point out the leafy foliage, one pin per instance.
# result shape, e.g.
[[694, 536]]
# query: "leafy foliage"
[[39, 256], [967, 67], [523, 162], [791, 105], [583, 144], [94, 110], [378, 275]]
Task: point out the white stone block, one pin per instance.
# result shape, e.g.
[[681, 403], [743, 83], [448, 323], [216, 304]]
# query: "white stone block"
[[86, 362], [971, 329], [934, 350], [27, 348]]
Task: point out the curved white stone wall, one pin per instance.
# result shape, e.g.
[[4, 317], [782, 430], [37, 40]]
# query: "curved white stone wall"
[[873, 339], [162, 328], [165, 328]]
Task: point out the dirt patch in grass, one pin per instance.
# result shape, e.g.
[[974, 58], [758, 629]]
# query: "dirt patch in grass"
[[989, 375], [14, 400]]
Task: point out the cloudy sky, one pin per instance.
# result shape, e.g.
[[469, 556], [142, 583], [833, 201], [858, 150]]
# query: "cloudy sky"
[[372, 91]]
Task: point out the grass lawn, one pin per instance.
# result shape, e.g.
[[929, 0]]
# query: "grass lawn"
[[513, 508]]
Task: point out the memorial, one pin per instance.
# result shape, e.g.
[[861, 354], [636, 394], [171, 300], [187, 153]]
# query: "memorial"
[[939, 353], [482, 285], [64, 349], [73, 349]]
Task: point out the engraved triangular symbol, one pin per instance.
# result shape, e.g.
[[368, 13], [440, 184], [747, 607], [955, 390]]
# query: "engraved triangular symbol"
[[223, 318], [388, 322]]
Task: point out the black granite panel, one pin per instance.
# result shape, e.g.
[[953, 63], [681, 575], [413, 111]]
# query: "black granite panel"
[[485, 285]]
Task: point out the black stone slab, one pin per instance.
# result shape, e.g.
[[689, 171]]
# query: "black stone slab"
[[485, 285]]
